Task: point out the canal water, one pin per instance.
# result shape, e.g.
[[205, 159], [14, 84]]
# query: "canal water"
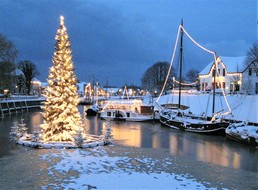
[[234, 164]]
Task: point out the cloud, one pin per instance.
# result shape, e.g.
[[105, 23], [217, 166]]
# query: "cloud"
[[118, 39]]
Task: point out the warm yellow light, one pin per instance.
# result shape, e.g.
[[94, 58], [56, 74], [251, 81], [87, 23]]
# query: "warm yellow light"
[[61, 20]]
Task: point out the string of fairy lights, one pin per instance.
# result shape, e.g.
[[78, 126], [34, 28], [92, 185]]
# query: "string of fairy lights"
[[185, 84]]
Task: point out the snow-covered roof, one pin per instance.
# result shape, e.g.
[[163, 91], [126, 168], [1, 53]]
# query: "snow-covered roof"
[[206, 70], [17, 72], [35, 79], [44, 84], [232, 64]]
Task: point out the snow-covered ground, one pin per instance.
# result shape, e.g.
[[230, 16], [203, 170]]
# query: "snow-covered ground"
[[244, 107], [95, 169]]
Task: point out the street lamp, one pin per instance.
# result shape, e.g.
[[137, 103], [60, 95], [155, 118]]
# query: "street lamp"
[[6, 91]]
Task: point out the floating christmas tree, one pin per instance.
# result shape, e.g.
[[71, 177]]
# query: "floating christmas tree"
[[62, 119], [107, 133]]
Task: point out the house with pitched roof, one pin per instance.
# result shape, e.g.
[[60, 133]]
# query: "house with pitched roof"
[[232, 74]]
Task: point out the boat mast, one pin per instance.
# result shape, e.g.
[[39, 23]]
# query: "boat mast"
[[181, 60], [214, 84]]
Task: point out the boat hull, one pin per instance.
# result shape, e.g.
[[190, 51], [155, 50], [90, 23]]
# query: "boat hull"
[[91, 112], [209, 128], [217, 128], [133, 119], [172, 123]]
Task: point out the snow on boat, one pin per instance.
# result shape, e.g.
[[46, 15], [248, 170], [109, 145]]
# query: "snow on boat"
[[93, 111], [242, 132], [190, 123], [128, 110], [178, 118]]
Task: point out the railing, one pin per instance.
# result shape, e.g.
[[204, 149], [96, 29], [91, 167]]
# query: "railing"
[[8, 106]]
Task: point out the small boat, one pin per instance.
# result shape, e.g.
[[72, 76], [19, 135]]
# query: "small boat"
[[93, 111], [128, 110], [242, 132]]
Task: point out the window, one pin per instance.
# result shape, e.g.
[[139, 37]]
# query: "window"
[[108, 113], [237, 87], [250, 71], [224, 72], [224, 85], [219, 71], [231, 87]]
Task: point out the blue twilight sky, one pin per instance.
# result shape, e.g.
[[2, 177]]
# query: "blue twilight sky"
[[118, 40]]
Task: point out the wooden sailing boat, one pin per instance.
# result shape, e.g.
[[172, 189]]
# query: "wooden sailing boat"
[[178, 119]]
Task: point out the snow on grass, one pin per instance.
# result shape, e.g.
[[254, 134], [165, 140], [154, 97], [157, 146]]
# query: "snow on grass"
[[86, 169]]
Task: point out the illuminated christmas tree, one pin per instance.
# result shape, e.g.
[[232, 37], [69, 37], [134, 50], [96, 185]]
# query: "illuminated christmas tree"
[[62, 119]]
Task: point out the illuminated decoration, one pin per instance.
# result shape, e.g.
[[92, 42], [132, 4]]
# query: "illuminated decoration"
[[216, 60], [62, 127], [107, 131], [62, 119], [185, 84]]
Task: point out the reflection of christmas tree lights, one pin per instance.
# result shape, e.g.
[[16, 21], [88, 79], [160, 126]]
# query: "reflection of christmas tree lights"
[[62, 119], [107, 133]]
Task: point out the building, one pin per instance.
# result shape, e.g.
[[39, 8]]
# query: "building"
[[233, 75]]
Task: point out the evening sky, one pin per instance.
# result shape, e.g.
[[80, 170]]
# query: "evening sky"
[[116, 41]]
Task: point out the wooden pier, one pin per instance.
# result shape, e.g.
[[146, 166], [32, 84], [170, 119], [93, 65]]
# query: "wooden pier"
[[17, 105]]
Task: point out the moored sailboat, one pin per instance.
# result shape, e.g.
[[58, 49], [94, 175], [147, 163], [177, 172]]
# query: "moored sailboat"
[[183, 120]]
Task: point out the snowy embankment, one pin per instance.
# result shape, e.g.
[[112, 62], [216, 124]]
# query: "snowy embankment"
[[244, 107], [95, 169]]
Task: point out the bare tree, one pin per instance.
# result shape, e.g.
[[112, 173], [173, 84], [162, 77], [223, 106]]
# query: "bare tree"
[[252, 55], [8, 51], [20, 82], [192, 75], [29, 71], [252, 63], [7, 76], [155, 76], [8, 54]]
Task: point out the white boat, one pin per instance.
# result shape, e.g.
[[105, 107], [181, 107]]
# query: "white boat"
[[128, 110]]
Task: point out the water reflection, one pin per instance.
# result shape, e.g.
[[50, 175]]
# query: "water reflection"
[[213, 149]]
